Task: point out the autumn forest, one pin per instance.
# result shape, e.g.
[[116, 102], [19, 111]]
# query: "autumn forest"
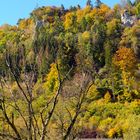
[[71, 73]]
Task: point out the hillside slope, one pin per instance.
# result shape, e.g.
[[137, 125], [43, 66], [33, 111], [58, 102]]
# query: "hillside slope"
[[68, 73]]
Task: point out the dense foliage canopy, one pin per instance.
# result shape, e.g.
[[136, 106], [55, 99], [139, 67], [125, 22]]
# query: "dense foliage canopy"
[[67, 73]]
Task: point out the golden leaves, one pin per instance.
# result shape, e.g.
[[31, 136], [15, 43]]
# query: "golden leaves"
[[124, 58]]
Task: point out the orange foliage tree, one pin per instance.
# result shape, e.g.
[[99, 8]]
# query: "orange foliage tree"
[[125, 59]]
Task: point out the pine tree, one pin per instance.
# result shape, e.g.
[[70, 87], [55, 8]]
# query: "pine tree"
[[98, 3], [129, 3], [62, 7], [78, 6], [89, 3]]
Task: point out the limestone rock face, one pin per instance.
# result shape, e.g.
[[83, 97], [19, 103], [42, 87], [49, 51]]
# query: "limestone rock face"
[[128, 20]]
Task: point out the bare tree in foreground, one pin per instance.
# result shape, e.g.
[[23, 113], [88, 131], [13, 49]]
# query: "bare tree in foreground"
[[35, 124], [25, 83]]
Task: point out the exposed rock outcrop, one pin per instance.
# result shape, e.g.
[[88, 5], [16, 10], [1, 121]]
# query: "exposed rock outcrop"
[[128, 20]]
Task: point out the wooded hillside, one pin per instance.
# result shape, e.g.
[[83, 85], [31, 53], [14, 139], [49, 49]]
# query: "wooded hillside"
[[71, 73]]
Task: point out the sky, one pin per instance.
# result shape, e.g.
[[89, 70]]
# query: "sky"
[[12, 10]]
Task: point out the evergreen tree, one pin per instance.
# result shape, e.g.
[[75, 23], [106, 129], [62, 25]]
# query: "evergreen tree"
[[62, 7], [78, 6], [98, 3], [129, 3], [89, 3]]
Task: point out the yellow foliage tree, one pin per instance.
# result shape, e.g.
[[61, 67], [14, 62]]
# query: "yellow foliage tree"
[[125, 60], [112, 27], [51, 84], [107, 97], [103, 9], [70, 19], [86, 36], [82, 13], [93, 13]]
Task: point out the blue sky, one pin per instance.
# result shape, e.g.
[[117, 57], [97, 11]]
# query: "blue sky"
[[12, 10]]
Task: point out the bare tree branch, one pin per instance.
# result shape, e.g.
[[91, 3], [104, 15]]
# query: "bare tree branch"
[[12, 125], [48, 118], [78, 108], [4, 135]]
